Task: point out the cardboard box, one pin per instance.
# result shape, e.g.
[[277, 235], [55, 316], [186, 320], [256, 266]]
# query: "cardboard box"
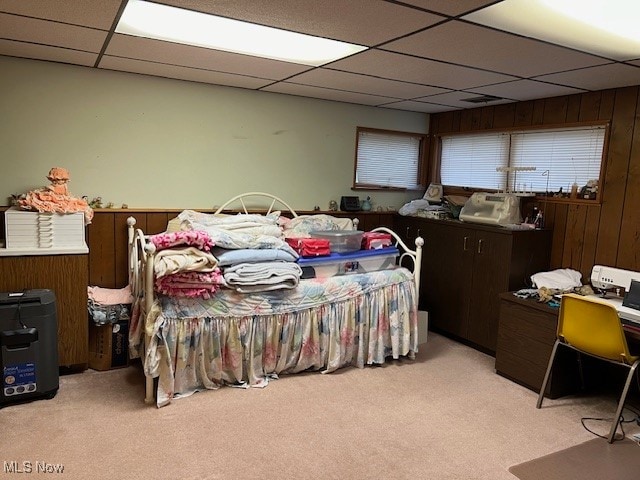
[[109, 345]]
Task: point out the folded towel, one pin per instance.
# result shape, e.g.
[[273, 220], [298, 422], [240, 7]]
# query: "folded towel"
[[190, 259], [259, 277]]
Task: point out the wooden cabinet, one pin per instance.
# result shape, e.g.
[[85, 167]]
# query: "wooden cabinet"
[[464, 269], [526, 334], [67, 276]]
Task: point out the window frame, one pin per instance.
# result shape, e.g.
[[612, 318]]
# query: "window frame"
[[421, 160], [453, 189]]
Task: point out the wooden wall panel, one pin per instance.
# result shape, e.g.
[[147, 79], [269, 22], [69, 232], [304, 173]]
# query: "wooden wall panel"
[[590, 240], [504, 115], [559, 235], [622, 126], [101, 244], [555, 110], [590, 106], [486, 120], [573, 109], [574, 236], [629, 244], [524, 114], [537, 116], [598, 233]]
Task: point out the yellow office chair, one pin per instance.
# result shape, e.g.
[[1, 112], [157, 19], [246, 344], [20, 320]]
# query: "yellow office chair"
[[592, 326]]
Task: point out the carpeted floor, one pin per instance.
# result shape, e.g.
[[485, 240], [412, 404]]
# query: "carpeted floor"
[[595, 459], [445, 416]]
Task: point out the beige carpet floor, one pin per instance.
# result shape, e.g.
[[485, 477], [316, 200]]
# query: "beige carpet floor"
[[446, 415]]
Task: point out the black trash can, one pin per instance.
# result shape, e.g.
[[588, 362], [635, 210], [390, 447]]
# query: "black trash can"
[[28, 346]]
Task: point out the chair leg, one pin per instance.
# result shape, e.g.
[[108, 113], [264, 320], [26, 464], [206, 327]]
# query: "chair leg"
[[547, 374], [616, 418]]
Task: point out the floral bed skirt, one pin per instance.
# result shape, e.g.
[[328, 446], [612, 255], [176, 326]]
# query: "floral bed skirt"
[[244, 340]]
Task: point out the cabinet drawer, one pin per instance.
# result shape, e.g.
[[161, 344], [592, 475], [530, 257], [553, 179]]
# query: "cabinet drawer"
[[520, 369], [528, 322]]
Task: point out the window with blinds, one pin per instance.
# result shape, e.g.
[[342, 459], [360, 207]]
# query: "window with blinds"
[[552, 159], [386, 159], [472, 160]]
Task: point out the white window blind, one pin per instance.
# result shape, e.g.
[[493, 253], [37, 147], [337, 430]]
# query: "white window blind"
[[471, 160], [385, 159], [561, 157]]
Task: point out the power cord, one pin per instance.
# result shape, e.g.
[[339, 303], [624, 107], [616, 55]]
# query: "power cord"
[[635, 418]]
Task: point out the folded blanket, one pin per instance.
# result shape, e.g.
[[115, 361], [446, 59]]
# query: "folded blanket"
[[260, 277], [238, 231], [110, 296], [193, 238], [190, 259], [251, 255], [190, 284]]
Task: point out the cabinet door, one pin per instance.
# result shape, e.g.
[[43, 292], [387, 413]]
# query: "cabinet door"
[[446, 277], [406, 228], [490, 277]]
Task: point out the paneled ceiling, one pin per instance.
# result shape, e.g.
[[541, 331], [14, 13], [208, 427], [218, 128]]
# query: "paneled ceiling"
[[423, 55]]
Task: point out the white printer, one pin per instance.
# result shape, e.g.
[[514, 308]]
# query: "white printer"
[[492, 209]]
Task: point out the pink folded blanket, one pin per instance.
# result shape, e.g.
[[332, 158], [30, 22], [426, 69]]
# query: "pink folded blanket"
[[190, 284], [110, 296], [193, 238]]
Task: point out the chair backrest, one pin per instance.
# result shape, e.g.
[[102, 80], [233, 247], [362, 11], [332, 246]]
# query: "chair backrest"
[[593, 326]]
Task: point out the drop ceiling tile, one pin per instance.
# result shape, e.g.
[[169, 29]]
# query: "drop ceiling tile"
[[414, 106], [42, 52], [181, 73], [526, 90], [187, 56], [14, 27], [597, 78], [364, 22], [417, 70], [480, 47], [448, 7], [90, 13], [322, 77], [456, 99], [325, 93]]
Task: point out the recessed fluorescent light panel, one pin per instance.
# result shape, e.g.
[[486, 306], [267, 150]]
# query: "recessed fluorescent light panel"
[[162, 22], [607, 28]]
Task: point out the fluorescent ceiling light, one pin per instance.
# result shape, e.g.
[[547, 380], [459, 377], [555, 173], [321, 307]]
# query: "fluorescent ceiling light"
[[603, 27], [161, 22]]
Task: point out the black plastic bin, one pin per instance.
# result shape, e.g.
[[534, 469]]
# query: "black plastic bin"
[[28, 346]]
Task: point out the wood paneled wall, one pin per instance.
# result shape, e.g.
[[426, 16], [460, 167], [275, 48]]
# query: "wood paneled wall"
[[584, 234], [107, 238]]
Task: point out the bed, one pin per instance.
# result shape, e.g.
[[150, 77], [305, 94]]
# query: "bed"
[[194, 336]]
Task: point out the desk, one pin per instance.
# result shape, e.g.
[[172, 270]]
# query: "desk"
[[526, 334]]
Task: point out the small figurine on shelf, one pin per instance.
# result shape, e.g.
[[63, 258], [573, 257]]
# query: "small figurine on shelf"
[[124, 206], [333, 206], [96, 202], [366, 204], [110, 205]]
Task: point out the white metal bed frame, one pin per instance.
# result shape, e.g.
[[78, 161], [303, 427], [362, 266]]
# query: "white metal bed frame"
[[142, 253]]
